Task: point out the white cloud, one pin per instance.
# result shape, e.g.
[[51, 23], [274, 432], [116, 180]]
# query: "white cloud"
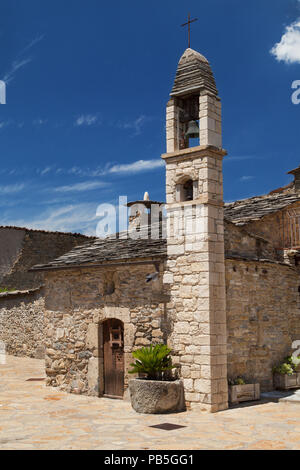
[[79, 187], [39, 122], [16, 65], [86, 120], [135, 125], [136, 167], [75, 170], [4, 124], [74, 217], [33, 43], [246, 178], [11, 189], [19, 63], [288, 49], [45, 170], [125, 169]]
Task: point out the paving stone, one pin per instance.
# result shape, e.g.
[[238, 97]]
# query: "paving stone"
[[35, 417]]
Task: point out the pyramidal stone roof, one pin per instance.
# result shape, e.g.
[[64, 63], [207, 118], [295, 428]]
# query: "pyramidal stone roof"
[[193, 74]]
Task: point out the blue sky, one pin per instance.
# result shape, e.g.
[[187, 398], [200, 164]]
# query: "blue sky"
[[87, 85]]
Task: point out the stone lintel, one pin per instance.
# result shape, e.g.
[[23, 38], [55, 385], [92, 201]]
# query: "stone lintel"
[[203, 199], [191, 90], [195, 152]]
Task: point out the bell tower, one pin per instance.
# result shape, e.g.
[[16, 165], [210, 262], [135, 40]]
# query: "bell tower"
[[194, 104], [195, 271]]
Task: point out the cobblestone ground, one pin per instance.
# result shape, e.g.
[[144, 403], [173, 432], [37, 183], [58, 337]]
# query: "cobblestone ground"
[[35, 417]]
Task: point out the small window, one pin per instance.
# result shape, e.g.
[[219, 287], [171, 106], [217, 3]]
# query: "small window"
[[188, 191], [109, 288]]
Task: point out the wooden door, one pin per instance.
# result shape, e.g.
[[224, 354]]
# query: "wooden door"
[[113, 343]]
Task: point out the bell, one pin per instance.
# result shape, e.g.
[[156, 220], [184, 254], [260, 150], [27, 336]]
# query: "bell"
[[193, 130]]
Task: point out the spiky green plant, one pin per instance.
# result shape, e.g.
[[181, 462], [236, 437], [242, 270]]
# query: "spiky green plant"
[[153, 361]]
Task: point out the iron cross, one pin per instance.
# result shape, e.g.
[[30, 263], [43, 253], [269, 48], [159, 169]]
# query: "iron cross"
[[189, 26]]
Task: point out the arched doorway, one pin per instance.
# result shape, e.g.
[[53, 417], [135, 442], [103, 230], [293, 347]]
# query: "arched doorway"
[[113, 351]]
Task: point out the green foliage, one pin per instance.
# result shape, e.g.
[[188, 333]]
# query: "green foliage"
[[237, 381], [294, 361], [6, 289], [240, 381], [284, 369], [289, 366], [152, 361]]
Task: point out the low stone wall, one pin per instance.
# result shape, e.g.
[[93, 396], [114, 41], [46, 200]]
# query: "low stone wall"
[[36, 247], [22, 323], [11, 242], [263, 317]]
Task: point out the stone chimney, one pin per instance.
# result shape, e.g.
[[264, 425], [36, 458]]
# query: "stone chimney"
[[143, 213]]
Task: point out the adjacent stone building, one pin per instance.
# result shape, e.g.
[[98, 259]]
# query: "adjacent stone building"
[[218, 283], [21, 291]]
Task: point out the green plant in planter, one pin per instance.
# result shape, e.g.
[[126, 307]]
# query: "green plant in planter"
[[237, 381], [283, 369], [290, 365], [294, 362], [153, 361]]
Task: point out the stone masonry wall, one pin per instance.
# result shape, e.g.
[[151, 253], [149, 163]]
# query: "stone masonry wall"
[[239, 242], [76, 306], [10, 245], [263, 317], [277, 229], [22, 323], [273, 228], [37, 247], [269, 227]]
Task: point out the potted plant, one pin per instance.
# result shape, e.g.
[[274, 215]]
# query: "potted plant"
[[240, 391], [287, 374], [155, 390]]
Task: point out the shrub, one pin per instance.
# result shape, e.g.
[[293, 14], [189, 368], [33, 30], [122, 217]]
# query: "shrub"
[[294, 362], [153, 361], [284, 369], [237, 381], [288, 367]]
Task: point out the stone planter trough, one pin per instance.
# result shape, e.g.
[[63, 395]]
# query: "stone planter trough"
[[247, 392], [286, 382], [156, 397]]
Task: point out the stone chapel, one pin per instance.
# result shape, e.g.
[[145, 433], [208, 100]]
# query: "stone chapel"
[[224, 284]]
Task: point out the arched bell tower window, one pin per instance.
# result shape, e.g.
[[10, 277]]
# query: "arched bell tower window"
[[186, 190]]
